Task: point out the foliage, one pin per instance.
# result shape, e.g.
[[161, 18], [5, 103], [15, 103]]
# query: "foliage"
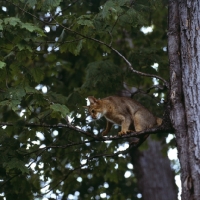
[[53, 55]]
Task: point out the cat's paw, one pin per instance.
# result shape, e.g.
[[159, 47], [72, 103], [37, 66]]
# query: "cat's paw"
[[122, 133]]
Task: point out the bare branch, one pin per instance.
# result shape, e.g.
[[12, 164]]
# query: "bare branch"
[[165, 128], [100, 42], [58, 146], [118, 53], [65, 177], [5, 182], [29, 13], [89, 159], [64, 9]]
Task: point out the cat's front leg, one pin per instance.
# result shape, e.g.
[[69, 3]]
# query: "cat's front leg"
[[124, 126]]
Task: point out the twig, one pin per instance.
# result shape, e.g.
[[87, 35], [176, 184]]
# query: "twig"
[[89, 159], [165, 128], [65, 177], [29, 13], [118, 53], [160, 87], [100, 42], [62, 147], [64, 9], [5, 182]]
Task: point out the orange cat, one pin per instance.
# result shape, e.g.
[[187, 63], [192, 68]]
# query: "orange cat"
[[123, 111]]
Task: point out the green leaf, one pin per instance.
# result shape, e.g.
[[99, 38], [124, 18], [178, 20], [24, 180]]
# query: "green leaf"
[[31, 27], [73, 47], [16, 163], [37, 74], [24, 47], [29, 89], [109, 8], [85, 20], [4, 103], [2, 64], [17, 92], [30, 3], [51, 57], [1, 26], [13, 21], [103, 75], [14, 105], [78, 48], [44, 114], [56, 98], [49, 4], [15, 95], [122, 2], [62, 36], [38, 100], [133, 17], [60, 108]]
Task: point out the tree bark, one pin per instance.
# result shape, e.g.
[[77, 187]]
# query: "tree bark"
[[154, 174], [177, 103], [184, 56], [190, 58]]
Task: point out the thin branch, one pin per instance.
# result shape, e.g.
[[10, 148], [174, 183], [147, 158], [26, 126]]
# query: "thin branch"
[[65, 177], [64, 9], [35, 160], [89, 159], [58, 146], [165, 128], [118, 53], [29, 13], [5, 182], [160, 87], [100, 42], [51, 126]]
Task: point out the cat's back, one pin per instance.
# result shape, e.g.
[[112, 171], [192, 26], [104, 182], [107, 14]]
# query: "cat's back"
[[122, 102]]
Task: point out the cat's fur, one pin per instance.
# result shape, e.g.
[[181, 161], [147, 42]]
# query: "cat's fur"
[[123, 111]]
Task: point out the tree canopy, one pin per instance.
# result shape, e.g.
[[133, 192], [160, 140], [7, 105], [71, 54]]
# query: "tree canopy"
[[53, 55]]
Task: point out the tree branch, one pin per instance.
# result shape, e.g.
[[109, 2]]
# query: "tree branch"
[[164, 128], [58, 146], [64, 9], [100, 42], [119, 54], [89, 159]]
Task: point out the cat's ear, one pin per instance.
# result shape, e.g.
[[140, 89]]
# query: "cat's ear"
[[92, 100]]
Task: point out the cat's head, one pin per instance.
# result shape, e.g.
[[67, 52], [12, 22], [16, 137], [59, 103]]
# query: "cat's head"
[[95, 108]]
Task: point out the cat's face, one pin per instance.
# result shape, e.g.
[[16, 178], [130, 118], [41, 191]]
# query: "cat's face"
[[95, 111], [95, 108]]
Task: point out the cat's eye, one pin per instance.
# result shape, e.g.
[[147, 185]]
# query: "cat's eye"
[[92, 111]]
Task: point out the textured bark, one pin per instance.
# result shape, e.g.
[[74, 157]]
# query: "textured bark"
[[190, 58], [184, 56], [177, 102], [155, 177]]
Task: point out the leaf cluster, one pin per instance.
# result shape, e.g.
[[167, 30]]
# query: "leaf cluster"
[[53, 55]]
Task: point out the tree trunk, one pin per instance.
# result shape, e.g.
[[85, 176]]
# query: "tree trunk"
[[177, 106], [154, 174], [190, 58], [184, 56]]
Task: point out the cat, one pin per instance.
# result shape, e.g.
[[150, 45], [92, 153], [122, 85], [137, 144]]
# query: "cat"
[[123, 111]]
